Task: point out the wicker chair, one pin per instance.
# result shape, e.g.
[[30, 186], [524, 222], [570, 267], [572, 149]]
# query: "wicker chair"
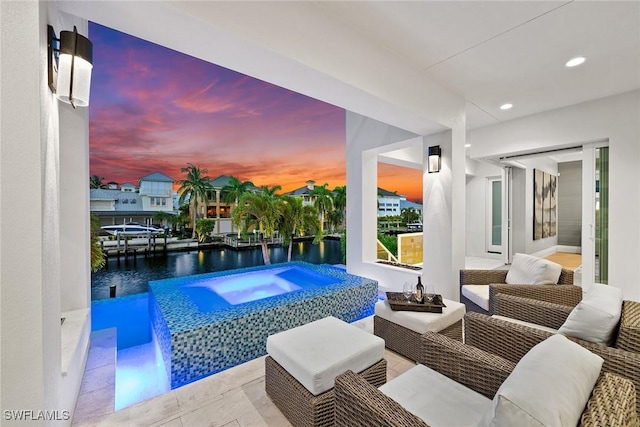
[[511, 341], [554, 315], [358, 403], [565, 292]]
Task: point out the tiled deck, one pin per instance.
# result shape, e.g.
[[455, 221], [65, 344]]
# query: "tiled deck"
[[233, 398]]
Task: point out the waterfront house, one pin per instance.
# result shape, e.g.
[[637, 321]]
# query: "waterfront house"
[[131, 203]]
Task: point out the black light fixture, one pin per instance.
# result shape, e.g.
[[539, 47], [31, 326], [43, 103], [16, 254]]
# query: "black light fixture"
[[70, 62], [433, 158]]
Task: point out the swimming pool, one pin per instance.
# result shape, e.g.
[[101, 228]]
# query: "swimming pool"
[[203, 326]]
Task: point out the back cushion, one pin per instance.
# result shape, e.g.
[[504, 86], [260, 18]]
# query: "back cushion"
[[529, 270], [596, 317], [549, 386]]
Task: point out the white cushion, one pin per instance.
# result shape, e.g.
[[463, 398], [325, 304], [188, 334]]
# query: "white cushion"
[[436, 399], [422, 322], [596, 317], [315, 353], [529, 270], [478, 294], [528, 324], [549, 386]]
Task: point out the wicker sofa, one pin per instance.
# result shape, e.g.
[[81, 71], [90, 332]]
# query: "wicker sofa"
[[565, 292], [358, 403]]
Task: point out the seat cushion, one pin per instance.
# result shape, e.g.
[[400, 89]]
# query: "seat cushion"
[[529, 270], [422, 322], [436, 399], [549, 386], [478, 294], [315, 353], [596, 317]]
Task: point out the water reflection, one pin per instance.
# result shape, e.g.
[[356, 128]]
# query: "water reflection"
[[133, 277]]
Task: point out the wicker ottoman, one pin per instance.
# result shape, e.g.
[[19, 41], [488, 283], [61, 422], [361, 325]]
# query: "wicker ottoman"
[[302, 364], [401, 330]]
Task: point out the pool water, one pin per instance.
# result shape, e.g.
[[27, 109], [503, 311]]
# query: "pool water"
[[252, 286], [142, 371]]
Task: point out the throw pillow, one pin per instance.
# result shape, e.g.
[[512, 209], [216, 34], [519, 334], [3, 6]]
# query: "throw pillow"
[[529, 270], [549, 386], [596, 317]]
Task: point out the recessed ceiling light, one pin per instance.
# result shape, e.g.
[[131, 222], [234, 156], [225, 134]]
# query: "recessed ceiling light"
[[506, 106], [574, 62], [467, 145]]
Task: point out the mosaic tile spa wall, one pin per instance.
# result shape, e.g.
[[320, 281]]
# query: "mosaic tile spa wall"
[[196, 344]]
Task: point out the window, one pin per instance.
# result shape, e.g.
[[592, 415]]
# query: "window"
[[158, 201]]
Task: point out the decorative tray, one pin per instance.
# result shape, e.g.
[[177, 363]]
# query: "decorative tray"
[[399, 302]]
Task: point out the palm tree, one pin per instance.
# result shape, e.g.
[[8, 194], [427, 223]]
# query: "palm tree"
[[271, 191], [323, 202], [340, 201], [261, 211], [98, 259], [335, 218], [233, 191], [297, 218], [196, 186], [96, 182]]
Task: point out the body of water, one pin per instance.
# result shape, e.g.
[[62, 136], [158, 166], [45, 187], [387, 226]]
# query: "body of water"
[[132, 277]]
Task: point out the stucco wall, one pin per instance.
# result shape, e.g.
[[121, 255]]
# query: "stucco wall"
[[35, 219], [476, 200]]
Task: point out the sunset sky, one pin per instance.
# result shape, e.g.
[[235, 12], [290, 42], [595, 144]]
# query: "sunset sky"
[[154, 109]]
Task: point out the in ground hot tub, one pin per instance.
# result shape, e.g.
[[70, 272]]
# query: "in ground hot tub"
[[210, 322]]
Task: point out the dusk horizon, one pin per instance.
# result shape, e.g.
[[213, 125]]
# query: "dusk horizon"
[[155, 109]]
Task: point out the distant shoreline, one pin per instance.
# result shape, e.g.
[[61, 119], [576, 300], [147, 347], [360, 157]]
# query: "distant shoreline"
[[142, 245]]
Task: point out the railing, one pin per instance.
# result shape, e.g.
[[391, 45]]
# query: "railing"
[[384, 253], [234, 242]]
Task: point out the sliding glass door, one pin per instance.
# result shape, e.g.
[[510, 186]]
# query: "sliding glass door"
[[494, 215], [595, 214]]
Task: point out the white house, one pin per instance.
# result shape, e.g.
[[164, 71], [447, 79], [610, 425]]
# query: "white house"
[[133, 204], [411, 75], [389, 203]]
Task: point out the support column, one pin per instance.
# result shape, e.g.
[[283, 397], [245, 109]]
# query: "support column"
[[444, 214]]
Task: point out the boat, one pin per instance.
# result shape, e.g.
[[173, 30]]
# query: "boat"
[[132, 229]]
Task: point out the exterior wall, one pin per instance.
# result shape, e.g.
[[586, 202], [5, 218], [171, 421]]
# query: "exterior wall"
[[364, 137], [220, 211], [388, 206], [154, 203], [156, 188], [45, 235], [444, 215], [102, 205], [476, 200]]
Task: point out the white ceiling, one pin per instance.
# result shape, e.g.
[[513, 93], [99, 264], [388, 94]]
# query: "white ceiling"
[[501, 51], [413, 64]]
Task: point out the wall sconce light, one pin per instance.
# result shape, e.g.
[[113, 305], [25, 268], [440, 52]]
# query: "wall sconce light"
[[70, 61], [434, 156]]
